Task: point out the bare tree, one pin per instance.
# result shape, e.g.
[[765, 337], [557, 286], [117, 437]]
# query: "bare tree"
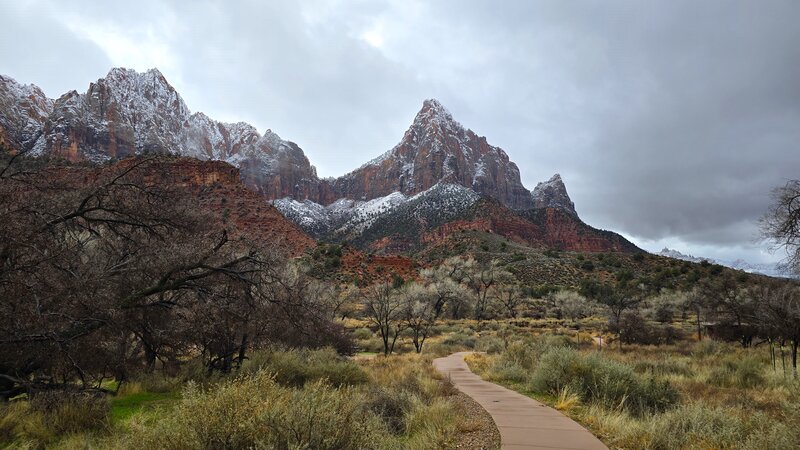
[[695, 302], [419, 312], [383, 307], [480, 278], [570, 304], [781, 223], [778, 314], [448, 294], [730, 303], [104, 271], [510, 296], [620, 299]]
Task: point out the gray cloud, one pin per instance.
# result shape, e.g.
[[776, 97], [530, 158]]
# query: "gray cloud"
[[670, 122]]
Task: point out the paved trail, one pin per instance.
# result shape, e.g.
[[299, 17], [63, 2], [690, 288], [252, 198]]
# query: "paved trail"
[[523, 422]]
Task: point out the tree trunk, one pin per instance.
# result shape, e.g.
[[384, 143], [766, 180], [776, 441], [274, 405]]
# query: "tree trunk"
[[794, 359], [699, 329], [394, 340], [783, 360], [242, 350], [149, 358], [385, 338], [772, 354]]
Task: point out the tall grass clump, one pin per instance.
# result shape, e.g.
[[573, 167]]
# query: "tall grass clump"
[[696, 426], [255, 411], [599, 380], [518, 361], [298, 367], [287, 400], [737, 372], [48, 415]]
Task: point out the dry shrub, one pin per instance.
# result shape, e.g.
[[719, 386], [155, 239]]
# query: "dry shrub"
[[298, 367], [50, 415], [255, 411], [600, 380]]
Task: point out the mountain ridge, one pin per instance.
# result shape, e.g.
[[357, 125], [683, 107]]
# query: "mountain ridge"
[[772, 270], [433, 177], [128, 112]]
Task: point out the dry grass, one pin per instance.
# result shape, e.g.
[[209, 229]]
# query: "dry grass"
[[730, 397]]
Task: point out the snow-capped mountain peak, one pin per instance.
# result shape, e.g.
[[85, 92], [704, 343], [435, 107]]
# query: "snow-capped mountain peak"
[[24, 108], [553, 194], [438, 149], [772, 270]]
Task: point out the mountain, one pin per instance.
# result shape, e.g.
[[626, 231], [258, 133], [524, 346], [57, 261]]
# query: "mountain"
[[397, 223], [434, 177], [537, 227], [772, 270], [437, 149], [23, 112], [553, 194], [128, 113]]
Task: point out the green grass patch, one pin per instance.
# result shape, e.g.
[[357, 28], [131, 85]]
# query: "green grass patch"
[[123, 407]]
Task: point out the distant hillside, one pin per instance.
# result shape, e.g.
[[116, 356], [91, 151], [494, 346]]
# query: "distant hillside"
[[772, 270]]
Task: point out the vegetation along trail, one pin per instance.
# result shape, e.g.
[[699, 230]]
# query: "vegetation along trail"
[[523, 422]]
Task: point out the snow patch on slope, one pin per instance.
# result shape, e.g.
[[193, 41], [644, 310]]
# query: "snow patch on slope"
[[772, 270], [346, 217]]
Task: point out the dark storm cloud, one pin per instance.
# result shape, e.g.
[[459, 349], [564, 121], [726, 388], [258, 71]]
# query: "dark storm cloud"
[[669, 121]]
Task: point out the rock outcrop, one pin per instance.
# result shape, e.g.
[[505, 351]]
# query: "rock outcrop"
[[437, 149], [553, 194], [128, 113], [218, 188], [23, 112], [540, 227]]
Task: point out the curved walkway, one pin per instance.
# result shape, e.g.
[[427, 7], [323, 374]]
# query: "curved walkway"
[[523, 422]]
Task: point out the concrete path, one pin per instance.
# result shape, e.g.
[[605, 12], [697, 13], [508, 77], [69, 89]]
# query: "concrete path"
[[523, 422]]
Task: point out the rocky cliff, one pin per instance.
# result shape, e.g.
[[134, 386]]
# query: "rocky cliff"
[[438, 149], [127, 113], [539, 227], [437, 171], [553, 194]]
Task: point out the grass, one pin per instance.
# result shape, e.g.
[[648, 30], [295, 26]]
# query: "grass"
[[280, 399], [126, 406], [727, 397], [694, 395]]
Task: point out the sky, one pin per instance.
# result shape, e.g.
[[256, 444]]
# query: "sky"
[[670, 122]]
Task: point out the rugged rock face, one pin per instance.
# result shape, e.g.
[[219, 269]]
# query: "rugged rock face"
[[540, 227], [23, 111], [437, 149], [424, 187], [128, 113], [564, 231], [553, 194]]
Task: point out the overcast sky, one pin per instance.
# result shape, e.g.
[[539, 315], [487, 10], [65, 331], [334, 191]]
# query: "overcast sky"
[[670, 122]]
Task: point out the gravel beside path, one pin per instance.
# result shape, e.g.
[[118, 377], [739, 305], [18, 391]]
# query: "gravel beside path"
[[478, 431]]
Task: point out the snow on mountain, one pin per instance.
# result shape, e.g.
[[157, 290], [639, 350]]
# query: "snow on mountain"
[[24, 110], [128, 113], [772, 270], [343, 214], [553, 194], [438, 149], [349, 218]]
